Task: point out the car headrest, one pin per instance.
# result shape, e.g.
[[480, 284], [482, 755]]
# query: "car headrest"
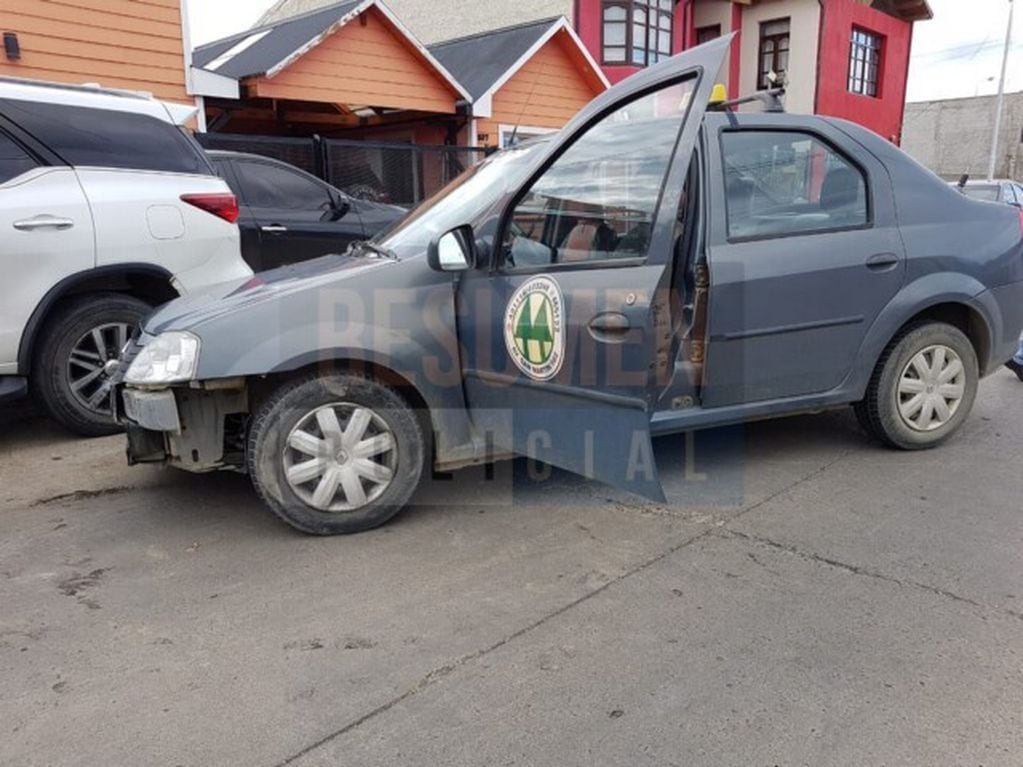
[[841, 187]]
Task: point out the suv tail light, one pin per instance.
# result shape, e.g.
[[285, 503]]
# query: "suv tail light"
[[223, 206]]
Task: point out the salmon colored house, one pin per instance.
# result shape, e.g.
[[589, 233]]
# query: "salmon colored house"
[[524, 80], [118, 43]]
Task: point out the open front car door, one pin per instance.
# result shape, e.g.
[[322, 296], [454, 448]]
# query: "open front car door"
[[567, 334]]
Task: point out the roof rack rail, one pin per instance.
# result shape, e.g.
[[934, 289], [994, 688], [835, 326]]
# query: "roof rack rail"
[[84, 88], [770, 98]]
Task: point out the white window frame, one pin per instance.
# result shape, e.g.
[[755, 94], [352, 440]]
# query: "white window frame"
[[528, 130]]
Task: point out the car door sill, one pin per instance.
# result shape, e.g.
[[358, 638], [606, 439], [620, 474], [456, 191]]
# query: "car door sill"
[[673, 421], [503, 379]]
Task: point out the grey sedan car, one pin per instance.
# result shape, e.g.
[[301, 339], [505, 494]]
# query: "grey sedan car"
[[656, 267]]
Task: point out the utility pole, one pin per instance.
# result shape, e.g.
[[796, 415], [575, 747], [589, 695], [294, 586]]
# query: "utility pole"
[[999, 102]]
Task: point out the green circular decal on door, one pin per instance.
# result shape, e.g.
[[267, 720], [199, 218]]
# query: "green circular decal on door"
[[534, 328]]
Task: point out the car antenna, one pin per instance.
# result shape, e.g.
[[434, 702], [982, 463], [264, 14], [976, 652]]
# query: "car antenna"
[[963, 179], [525, 106]]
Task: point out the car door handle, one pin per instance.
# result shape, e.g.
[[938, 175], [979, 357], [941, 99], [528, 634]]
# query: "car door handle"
[[43, 222], [274, 229], [882, 262], [610, 324]]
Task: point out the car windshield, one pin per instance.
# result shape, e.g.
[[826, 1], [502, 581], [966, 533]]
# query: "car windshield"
[[461, 201], [987, 192]]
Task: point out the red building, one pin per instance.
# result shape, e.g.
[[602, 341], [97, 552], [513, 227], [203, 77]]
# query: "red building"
[[844, 58]]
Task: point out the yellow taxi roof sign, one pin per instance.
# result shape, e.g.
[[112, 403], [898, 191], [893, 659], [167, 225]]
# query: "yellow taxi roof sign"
[[719, 94]]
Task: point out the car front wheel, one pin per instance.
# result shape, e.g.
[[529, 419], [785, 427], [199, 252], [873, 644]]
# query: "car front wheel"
[[335, 454], [922, 389]]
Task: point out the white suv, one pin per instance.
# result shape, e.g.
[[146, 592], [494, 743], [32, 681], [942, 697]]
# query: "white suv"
[[107, 208]]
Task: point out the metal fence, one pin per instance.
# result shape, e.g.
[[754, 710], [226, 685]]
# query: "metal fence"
[[403, 174]]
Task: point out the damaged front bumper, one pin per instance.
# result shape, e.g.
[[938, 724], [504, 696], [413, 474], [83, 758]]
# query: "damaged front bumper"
[[198, 428]]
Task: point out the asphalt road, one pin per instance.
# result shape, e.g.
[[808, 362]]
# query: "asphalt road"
[[807, 598]]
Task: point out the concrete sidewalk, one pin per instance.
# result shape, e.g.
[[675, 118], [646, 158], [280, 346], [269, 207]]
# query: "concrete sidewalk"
[[820, 601]]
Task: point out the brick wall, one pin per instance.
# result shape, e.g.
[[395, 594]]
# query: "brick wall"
[[953, 137]]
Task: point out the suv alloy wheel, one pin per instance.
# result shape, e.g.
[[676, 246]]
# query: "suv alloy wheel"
[[76, 355]]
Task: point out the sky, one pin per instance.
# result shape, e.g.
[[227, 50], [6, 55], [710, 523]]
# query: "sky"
[[957, 53]]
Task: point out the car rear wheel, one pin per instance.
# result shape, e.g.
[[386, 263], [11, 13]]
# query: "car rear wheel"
[[922, 389], [76, 356], [335, 454]]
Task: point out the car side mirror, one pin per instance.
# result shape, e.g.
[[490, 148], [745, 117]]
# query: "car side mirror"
[[340, 205], [453, 251]]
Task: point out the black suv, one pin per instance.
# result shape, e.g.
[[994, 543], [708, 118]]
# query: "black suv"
[[288, 215]]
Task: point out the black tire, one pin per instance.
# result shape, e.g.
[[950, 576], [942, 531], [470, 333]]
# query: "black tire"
[[879, 411], [290, 406], [52, 367]]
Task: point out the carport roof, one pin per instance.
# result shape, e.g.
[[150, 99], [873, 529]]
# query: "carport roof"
[[268, 49], [257, 51]]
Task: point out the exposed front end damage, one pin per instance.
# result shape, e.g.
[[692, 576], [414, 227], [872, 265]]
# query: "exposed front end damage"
[[199, 428]]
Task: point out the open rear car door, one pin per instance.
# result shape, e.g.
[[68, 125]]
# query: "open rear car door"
[[568, 332]]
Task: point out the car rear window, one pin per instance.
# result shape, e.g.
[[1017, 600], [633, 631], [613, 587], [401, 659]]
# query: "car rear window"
[[13, 159], [105, 138]]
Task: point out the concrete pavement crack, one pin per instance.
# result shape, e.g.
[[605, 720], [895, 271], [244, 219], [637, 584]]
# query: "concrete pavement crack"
[[83, 495], [861, 571], [447, 669]]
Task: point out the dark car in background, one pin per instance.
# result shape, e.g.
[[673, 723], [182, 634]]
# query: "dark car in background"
[[287, 215]]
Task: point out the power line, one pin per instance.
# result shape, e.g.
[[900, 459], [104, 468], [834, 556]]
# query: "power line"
[[968, 51]]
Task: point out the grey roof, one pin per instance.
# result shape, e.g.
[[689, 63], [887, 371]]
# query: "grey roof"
[[282, 39], [479, 61]]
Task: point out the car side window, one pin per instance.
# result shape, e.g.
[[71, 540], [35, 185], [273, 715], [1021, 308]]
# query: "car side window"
[[596, 203], [270, 186], [13, 159], [781, 183], [105, 138]]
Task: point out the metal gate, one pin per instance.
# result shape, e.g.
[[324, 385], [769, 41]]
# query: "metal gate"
[[403, 174]]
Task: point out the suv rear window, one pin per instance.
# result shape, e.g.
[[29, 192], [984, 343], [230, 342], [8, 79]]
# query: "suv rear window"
[[13, 159], [105, 138]]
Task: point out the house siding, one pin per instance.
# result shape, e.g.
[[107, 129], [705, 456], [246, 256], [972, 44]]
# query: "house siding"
[[884, 113], [379, 68], [131, 44], [719, 12], [545, 93], [804, 19]]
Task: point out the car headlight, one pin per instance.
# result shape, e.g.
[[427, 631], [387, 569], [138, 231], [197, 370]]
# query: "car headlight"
[[171, 357]]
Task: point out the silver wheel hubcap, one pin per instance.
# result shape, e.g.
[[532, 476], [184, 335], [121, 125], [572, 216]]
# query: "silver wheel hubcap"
[[93, 361], [931, 388], [340, 457]]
